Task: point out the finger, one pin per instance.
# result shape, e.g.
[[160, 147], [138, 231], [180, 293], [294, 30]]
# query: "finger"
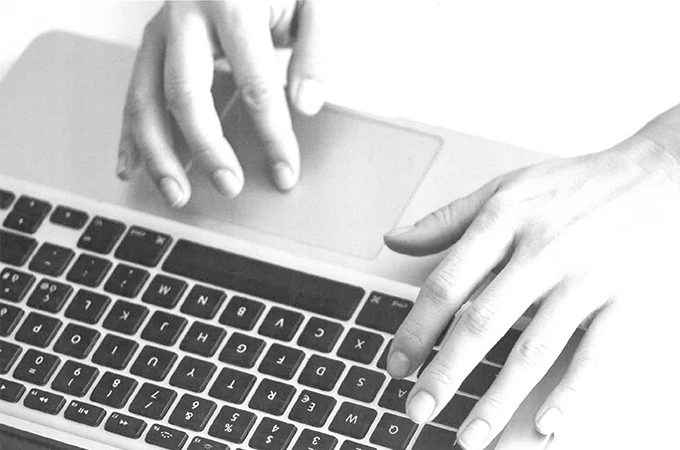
[[484, 244], [146, 128], [246, 39], [582, 374], [188, 80], [128, 155], [532, 356], [520, 283], [441, 229], [306, 72]]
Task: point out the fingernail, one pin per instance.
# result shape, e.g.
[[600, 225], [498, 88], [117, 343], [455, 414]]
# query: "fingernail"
[[122, 166], [420, 407], [283, 176], [310, 96], [171, 191], [227, 183], [474, 435], [400, 230], [549, 421], [399, 365]]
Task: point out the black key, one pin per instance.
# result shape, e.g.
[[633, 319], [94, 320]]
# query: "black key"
[[14, 285], [232, 386], [51, 259], [69, 217], [479, 380], [84, 413], [281, 361], [351, 445], [242, 350], [320, 334], [203, 339], [38, 330], [152, 401], [192, 412], [393, 432], [166, 437], [360, 346], [76, 341], [361, 384], [312, 408], [125, 425], [272, 434], [232, 424], [280, 323], [313, 440], [125, 317], [101, 235], [164, 328], [75, 378], [6, 198], [89, 270], [353, 420], [87, 306], [260, 279], [114, 352], [164, 291], [499, 353], [9, 318], [395, 395], [455, 412], [10, 391], [49, 295], [27, 215], [201, 443], [36, 367], [383, 312], [242, 313], [15, 249], [272, 397], [126, 280], [193, 374], [43, 401], [143, 246], [203, 302], [113, 390], [321, 373], [153, 363], [434, 437], [8, 355]]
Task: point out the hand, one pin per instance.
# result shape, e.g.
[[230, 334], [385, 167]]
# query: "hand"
[[584, 237], [171, 84]]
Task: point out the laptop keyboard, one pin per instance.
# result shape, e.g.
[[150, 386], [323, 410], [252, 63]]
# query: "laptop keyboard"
[[148, 339]]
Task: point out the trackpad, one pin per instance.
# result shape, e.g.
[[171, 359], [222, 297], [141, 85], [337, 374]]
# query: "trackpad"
[[357, 177]]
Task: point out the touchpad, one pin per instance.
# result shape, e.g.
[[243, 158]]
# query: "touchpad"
[[357, 176]]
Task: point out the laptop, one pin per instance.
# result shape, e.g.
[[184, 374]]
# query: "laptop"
[[257, 323]]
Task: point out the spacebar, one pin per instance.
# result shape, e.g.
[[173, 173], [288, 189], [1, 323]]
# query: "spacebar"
[[268, 281]]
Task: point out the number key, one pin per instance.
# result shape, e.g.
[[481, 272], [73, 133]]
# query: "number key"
[[232, 424], [272, 435], [152, 401], [192, 412], [36, 367], [113, 390], [74, 378], [313, 440]]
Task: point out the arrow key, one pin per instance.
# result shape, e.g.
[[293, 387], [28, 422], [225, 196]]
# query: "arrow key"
[[124, 425], [10, 391], [44, 401], [84, 413]]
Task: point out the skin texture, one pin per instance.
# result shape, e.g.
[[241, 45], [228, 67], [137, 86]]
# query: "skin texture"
[[170, 90], [575, 235]]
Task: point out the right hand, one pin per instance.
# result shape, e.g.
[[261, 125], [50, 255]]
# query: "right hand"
[[173, 75]]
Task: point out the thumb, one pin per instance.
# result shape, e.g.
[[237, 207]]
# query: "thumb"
[[442, 228]]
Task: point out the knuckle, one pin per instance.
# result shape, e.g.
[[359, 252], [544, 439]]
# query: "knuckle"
[[438, 289], [257, 94], [533, 352], [437, 374], [413, 335], [479, 319], [586, 360], [179, 95]]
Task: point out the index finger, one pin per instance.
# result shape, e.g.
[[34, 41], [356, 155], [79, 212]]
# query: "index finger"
[[247, 42]]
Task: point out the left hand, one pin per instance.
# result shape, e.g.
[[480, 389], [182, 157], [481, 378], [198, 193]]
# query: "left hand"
[[583, 236]]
